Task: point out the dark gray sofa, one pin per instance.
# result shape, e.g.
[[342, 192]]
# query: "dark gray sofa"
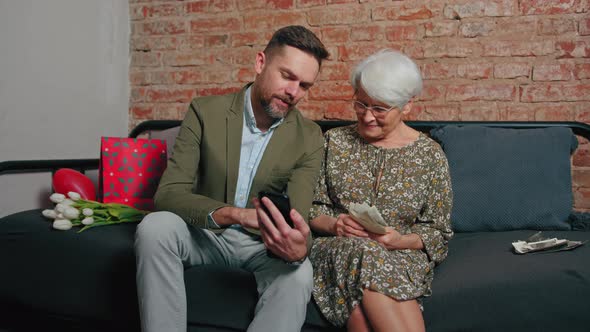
[[65, 281]]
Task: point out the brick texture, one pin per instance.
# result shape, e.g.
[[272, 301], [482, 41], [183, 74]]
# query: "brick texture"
[[497, 60]]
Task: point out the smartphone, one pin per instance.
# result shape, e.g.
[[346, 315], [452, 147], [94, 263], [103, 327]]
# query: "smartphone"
[[281, 201]]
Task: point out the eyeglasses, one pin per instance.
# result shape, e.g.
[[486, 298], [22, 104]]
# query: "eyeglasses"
[[377, 111]]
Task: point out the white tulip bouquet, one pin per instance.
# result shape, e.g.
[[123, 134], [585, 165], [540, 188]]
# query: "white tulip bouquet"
[[72, 210]]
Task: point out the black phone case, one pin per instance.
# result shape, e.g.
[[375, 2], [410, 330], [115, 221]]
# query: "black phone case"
[[281, 201]]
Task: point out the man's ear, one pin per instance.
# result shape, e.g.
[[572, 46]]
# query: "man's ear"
[[260, 62]]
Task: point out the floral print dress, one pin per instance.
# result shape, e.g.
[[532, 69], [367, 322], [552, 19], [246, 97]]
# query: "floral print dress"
[[413, 194]]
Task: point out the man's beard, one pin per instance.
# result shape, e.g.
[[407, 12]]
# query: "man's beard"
[[275, 113]]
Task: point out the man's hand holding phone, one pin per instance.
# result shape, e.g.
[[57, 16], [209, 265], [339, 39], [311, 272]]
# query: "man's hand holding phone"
[[281, 202], [286, 242]]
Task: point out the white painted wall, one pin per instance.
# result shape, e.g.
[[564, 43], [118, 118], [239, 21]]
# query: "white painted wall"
[[63, 84]]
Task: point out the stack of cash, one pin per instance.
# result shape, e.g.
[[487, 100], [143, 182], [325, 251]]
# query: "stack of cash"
[[539, 243], [368, 216]]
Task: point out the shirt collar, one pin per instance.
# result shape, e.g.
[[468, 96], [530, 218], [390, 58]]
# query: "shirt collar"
[[249, 118]]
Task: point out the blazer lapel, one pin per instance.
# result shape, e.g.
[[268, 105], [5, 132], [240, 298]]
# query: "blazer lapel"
[[234, 125]]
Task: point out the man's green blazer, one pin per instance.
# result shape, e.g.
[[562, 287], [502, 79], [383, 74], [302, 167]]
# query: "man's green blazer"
[[202, 173]]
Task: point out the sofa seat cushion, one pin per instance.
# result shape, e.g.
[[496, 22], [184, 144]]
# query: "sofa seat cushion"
[[68, 281], [72, 279], [483, 286], [211, 288], [220, 294], [86, 281]]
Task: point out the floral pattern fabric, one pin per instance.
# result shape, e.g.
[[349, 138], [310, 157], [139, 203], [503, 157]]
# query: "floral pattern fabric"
[[413, 194]]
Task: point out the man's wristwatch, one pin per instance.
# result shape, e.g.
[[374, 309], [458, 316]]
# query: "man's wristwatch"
[[299, 262]]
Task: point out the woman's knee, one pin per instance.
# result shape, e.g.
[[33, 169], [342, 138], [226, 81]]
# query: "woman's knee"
[[357, 321], [404, 315]]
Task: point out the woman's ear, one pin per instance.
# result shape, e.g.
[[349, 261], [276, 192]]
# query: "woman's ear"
[[408, 106]]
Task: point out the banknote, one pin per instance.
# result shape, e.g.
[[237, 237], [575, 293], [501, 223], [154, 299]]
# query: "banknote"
[[368, 216]]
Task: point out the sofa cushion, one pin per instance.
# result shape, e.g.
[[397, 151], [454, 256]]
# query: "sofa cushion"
[[210, 287], [69, 281], [483, 286], [508, 179], [59, 279]]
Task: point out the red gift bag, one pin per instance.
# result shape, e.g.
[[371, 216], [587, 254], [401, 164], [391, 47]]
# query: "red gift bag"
[[130, 170]]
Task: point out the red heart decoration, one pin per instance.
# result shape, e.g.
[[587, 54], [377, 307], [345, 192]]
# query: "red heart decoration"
[[67, 179]]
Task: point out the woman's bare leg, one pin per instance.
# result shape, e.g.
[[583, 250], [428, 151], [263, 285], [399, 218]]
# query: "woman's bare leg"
[[357, 322], [386, 314]]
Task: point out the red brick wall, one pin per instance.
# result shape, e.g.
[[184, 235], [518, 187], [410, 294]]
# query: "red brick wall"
[[482, 60]]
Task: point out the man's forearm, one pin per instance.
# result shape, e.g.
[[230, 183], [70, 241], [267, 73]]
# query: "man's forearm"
[[230, 215]]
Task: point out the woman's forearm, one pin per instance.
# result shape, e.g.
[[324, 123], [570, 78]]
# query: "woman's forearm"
[[407, 241], [323, 225]]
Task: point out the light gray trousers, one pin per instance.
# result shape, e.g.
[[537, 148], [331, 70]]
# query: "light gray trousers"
[[165, 245]]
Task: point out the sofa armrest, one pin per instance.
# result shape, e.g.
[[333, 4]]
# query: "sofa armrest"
[[580, 221], [46, 165], [82, 165]]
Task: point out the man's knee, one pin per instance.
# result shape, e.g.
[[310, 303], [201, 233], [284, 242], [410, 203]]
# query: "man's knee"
[[307, 273], [302, 277], [158, 228], [286, 279]]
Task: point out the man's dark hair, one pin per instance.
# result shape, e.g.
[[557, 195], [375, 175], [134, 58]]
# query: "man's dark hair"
[[299, 37]]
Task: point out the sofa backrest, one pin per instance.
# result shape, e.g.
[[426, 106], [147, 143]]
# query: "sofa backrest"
[[169, 135], [534, 189]]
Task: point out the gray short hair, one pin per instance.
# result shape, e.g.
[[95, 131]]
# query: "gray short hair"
[[389, 77]]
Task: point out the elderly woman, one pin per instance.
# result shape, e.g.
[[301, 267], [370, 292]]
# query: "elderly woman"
[[370, 281]]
